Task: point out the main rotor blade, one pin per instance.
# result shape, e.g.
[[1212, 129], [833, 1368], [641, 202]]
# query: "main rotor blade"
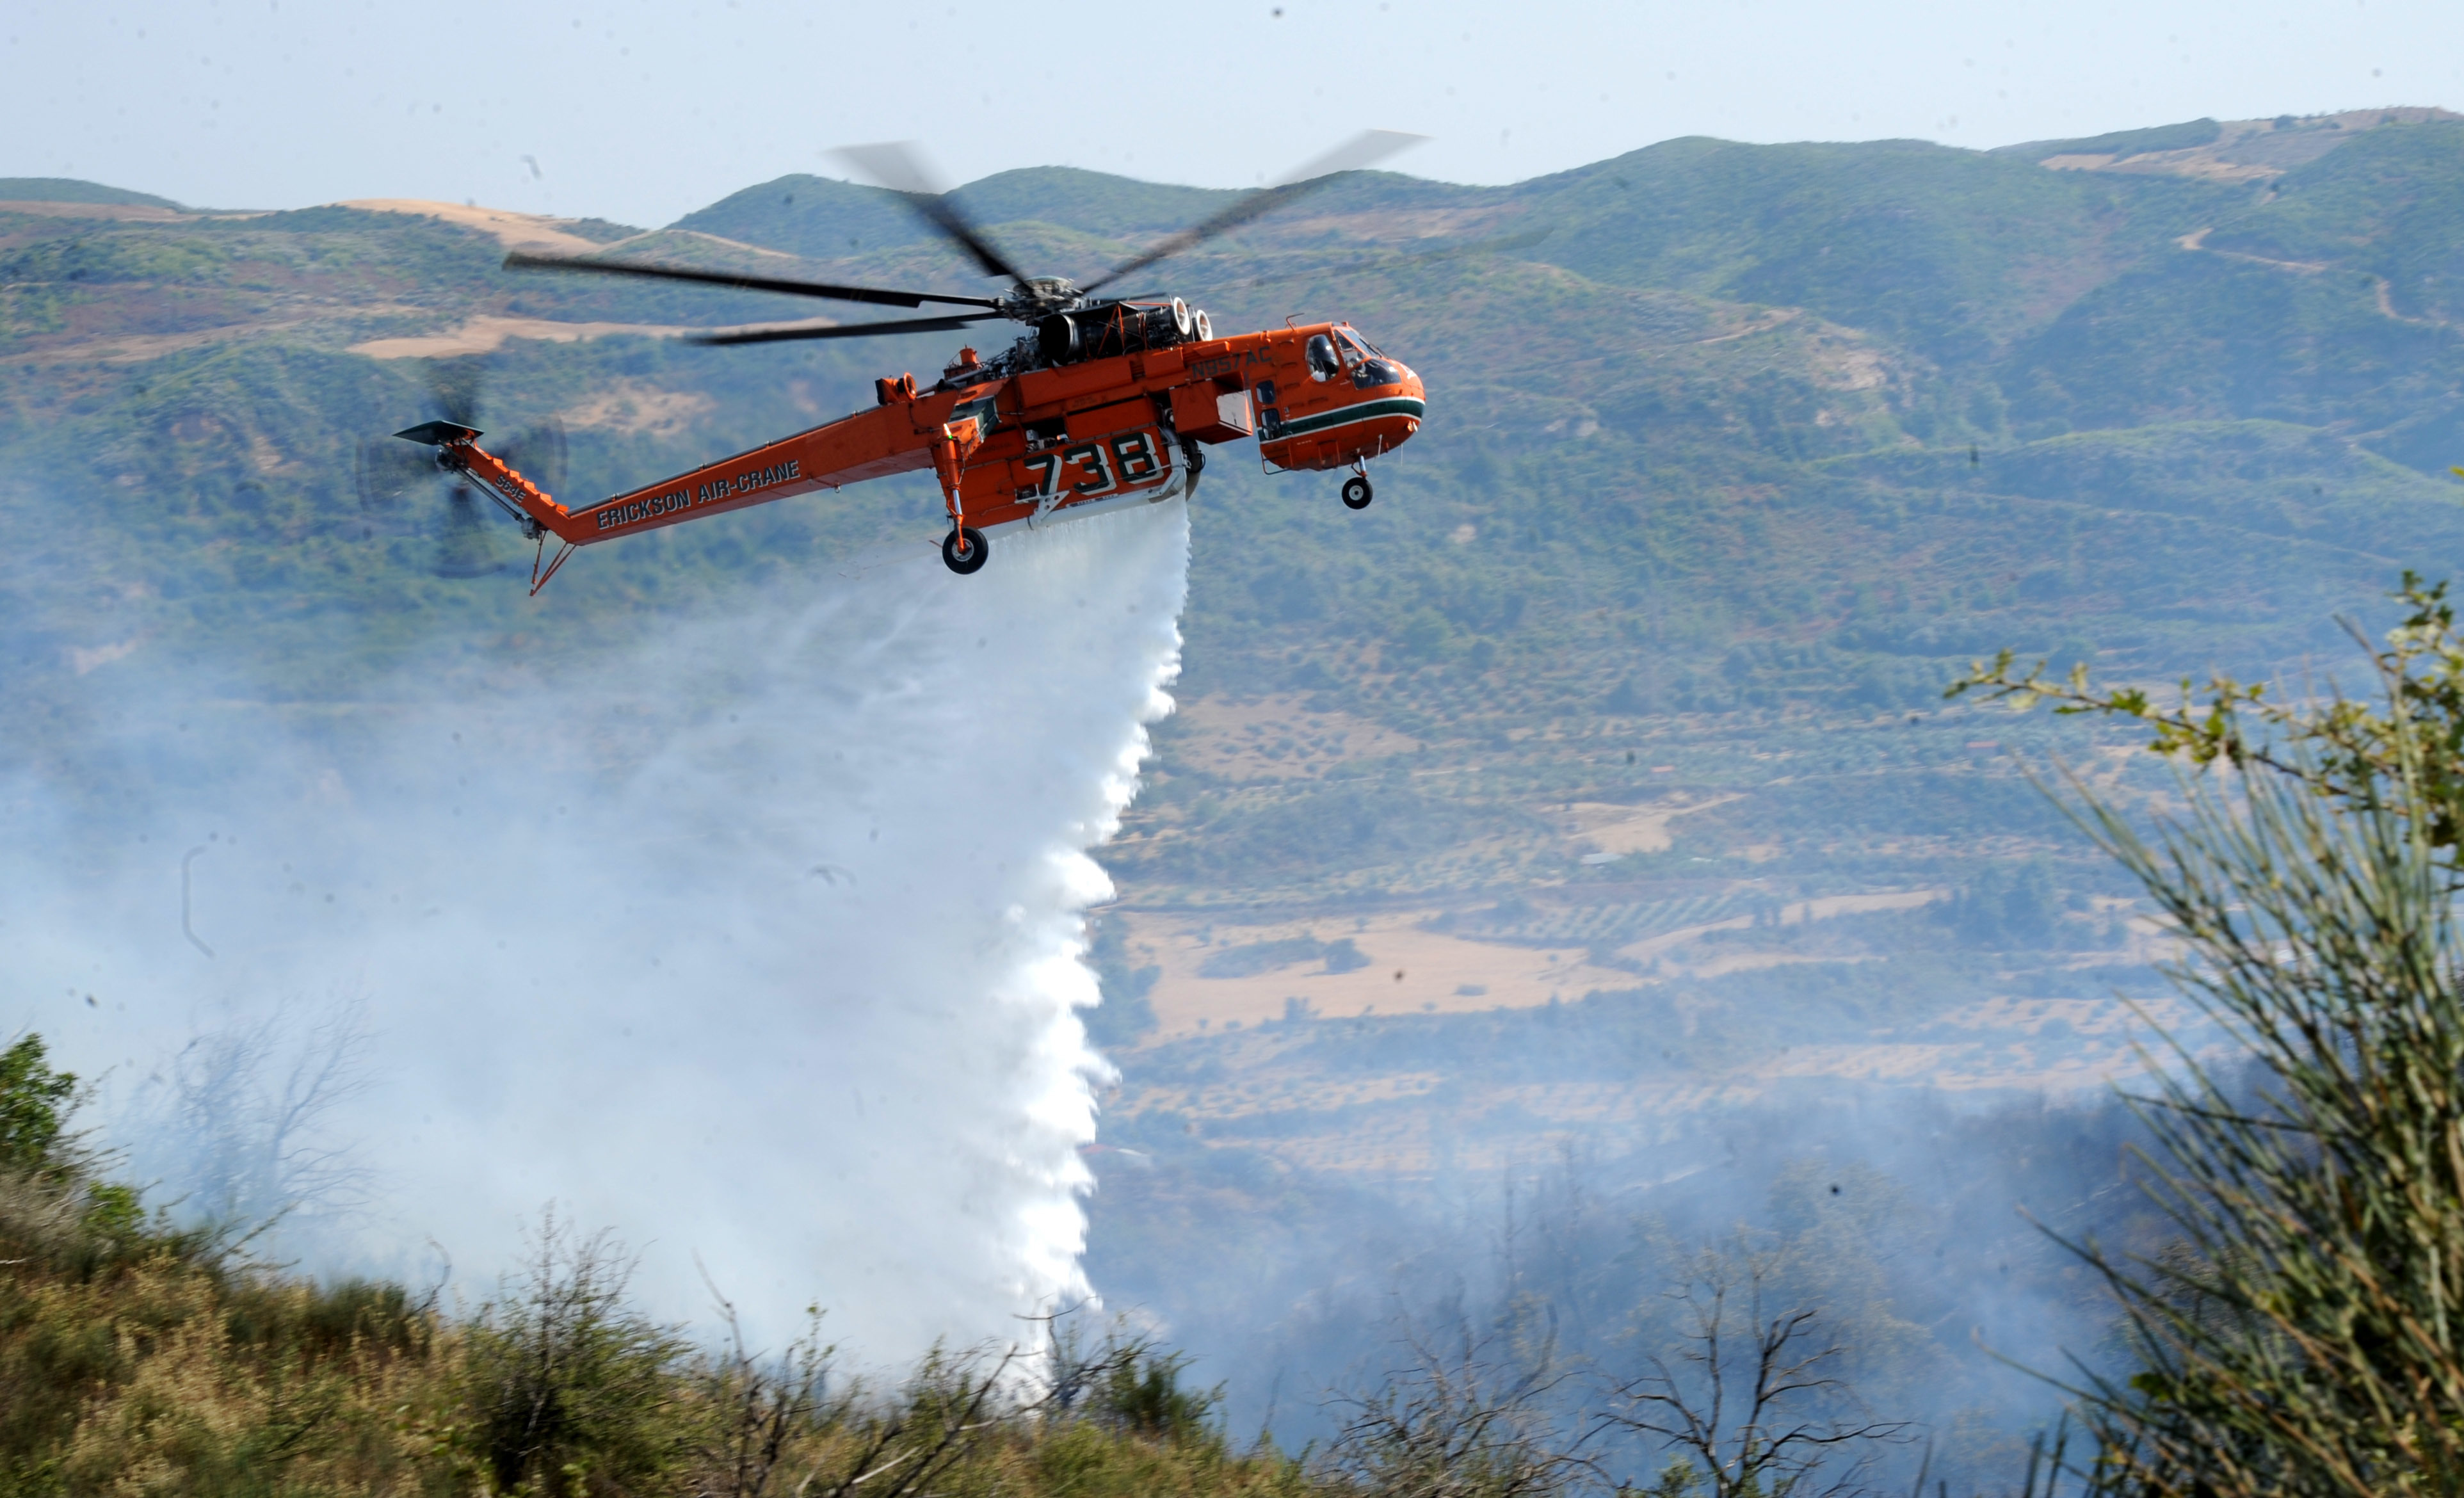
[[1365, 149], [843, 330], [875, 295], [895, 166]]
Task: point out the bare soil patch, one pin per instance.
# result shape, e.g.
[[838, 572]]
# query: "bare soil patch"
[[1607, 827], [513, 230], [2252, 150], [1666, 948], [1439, 974]]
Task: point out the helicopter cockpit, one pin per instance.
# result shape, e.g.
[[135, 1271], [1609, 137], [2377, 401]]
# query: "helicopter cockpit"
[[1330, 356], [1370, 369]]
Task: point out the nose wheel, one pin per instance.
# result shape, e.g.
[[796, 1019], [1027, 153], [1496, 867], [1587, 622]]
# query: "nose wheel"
[[1356, 493], [964, 549]]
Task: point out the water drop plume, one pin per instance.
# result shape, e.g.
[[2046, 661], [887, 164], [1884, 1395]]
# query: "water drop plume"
[[757, 942]]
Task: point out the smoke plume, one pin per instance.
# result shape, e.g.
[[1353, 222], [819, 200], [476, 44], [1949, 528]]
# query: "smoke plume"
[[757, 941]]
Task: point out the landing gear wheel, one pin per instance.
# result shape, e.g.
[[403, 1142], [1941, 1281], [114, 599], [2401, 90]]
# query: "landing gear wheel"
[[1356, 493], [963, 550]]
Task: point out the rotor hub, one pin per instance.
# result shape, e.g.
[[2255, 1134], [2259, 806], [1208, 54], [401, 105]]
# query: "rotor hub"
[[1038, 297]]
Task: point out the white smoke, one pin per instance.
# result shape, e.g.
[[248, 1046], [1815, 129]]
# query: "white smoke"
[[759, 941]]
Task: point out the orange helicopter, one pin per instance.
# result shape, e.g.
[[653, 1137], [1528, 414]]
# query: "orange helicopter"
[[1104, 403]]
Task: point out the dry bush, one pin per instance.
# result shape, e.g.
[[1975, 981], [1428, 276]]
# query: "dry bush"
[[1751, 1404], [568, 1389], [1457, 1421]]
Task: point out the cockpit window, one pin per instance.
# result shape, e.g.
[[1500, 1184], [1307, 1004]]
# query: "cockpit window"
[[1370, 373], [1356, 345], [1322, 361]]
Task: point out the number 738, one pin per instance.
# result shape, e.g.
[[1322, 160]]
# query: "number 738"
[[1127, 460]]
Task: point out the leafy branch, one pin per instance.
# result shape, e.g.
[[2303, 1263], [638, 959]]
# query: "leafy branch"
[[2348, 751]]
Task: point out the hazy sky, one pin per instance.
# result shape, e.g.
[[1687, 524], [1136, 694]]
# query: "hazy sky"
[[642, 111]]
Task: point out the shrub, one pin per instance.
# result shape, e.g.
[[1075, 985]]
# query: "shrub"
[[35, 1105], [570, 1389], [2301, 1335]]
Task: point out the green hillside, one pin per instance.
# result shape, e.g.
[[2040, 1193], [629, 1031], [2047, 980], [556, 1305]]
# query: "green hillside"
[[70, 189], [826, 219], [2391, 204], [1953, 253], [2119, 142]]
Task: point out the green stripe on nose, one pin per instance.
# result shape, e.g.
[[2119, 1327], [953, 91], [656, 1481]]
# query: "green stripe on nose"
[[1345, 416]]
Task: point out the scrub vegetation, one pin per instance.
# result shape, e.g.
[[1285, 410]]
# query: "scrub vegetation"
[[138, 1359], [135, 1358]]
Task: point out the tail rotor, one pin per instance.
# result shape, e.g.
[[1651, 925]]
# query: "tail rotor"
[[407, 483]]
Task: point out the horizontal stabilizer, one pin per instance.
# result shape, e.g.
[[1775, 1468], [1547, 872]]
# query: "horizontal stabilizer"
[[437, 433]]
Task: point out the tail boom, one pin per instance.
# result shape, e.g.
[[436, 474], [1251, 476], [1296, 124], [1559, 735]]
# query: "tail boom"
[[894, 438]]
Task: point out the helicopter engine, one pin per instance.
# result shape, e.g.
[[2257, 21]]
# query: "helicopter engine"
[[1121, 327]]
